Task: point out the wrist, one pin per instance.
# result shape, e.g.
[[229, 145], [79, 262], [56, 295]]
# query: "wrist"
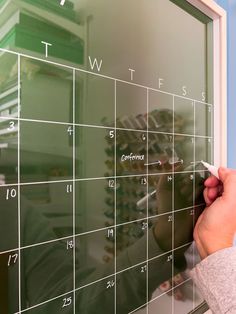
[[210, 245]]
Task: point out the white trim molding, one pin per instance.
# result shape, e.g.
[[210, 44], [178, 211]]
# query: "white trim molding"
[[218, 15]]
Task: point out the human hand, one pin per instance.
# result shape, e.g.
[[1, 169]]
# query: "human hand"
[[216, 225]]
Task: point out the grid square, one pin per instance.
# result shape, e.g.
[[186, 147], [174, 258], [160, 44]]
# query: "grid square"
[[46, 212], [45, 152], [200, 177], [181, 263], [184, 151], [131, 152], [203, 119], [131, 106], [160, 202], [95, 100], [9, 150], [183, 226], [160, 152], [133, 297], [184, 116], [9, 85], [62, 305], [183, 192], [131, 237], [159, 271], [204, 149], [9, 274], [183, 298], [160, 112], [46, 91], [9, 217], [94, 204], [48, 272], [94, 152], [160, 239], [162, 302], [94, 256], [97, 297], [131, 203]]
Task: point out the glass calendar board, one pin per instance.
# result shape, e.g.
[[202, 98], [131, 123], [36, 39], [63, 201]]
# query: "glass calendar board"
[[106, 109]]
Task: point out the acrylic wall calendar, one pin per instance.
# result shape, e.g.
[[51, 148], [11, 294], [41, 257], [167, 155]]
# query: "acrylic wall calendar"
[[106, 110]]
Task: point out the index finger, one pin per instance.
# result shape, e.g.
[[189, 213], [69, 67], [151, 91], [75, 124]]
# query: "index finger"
[[211, 182]]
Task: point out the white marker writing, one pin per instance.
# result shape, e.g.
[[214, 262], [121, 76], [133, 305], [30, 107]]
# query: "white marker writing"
[[46, 47]]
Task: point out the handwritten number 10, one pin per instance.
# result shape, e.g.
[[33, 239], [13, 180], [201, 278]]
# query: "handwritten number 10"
[[11, 193]]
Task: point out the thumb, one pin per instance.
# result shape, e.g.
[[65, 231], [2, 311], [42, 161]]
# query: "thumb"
[[223, 173], [228, 178]]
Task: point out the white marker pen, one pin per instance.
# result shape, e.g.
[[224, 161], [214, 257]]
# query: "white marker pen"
[[143, 200], [212, 169]]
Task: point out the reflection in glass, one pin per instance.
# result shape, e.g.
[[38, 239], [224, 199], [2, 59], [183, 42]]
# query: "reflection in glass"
[[94, 204], [165, 274], [127, 302], [93, 158], [184, 152], [8, 150], [90, 35], [46, 91], [9, 284], [94, 256], [160, 303], [204, 149], [8, 114], [130, 199], [183, 183], [128, 235], [184, 221], [161, 202], [9, 218], [32, 25], [184, 116], [162, 232], [161, 154], [99, 297]]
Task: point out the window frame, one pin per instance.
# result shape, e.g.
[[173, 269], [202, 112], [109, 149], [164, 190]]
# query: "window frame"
[[219, 18]]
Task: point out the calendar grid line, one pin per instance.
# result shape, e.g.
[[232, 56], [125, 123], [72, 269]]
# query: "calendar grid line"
[[164, 293], [51, 122], [116, 177], [173, 204], [74, 198], [101, 75], [18, 179], [76, 109], [194, 180], [115, 205], [102, 279], [95, 230], [147, 209], [100, 178], [99, 280]]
